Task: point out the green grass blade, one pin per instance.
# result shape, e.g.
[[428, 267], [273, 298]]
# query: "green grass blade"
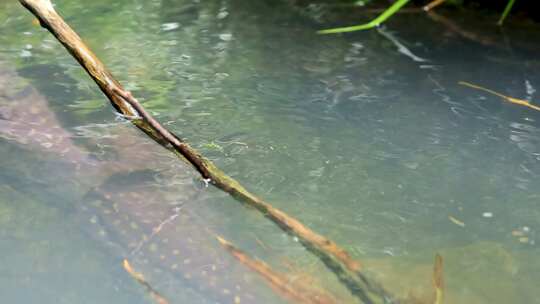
[[373, 23], [507, 10]]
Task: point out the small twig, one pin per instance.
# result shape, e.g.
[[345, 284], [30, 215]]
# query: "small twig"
[[433, 4], [438, 279], [158, 298], [513, 100]]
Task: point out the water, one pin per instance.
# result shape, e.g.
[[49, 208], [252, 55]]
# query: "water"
[[364, 142]]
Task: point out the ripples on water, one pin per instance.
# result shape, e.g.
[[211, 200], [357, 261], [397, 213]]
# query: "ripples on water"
[[366, 137]]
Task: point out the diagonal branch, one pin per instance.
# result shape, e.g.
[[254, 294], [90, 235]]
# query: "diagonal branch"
[[336, 258]]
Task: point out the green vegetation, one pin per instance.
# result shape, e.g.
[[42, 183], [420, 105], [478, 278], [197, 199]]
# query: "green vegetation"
[[507, 10], [373, 23], [394, 8]]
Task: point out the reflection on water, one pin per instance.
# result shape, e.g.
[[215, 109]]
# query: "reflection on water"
[[353, 134]]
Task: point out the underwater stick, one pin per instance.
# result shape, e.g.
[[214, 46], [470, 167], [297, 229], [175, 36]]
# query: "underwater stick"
[[158, 298], [336, 258], [280, 283]]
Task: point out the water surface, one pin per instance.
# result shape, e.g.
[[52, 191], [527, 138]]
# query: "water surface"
[[375, 147]]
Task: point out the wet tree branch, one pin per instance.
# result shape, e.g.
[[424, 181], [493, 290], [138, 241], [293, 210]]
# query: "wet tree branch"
[[335, 257]]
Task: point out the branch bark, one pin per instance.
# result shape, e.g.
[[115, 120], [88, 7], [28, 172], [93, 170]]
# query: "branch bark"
[[335, 257]]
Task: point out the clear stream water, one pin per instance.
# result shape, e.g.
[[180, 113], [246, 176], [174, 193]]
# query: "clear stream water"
[[367, 138]]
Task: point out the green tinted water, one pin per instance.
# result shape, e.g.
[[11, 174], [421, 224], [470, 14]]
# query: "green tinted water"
[[386, 155]]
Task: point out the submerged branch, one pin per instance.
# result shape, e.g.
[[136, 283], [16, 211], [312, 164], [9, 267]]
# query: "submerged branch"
[[335, 257], [158, 298], [278, 281]]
